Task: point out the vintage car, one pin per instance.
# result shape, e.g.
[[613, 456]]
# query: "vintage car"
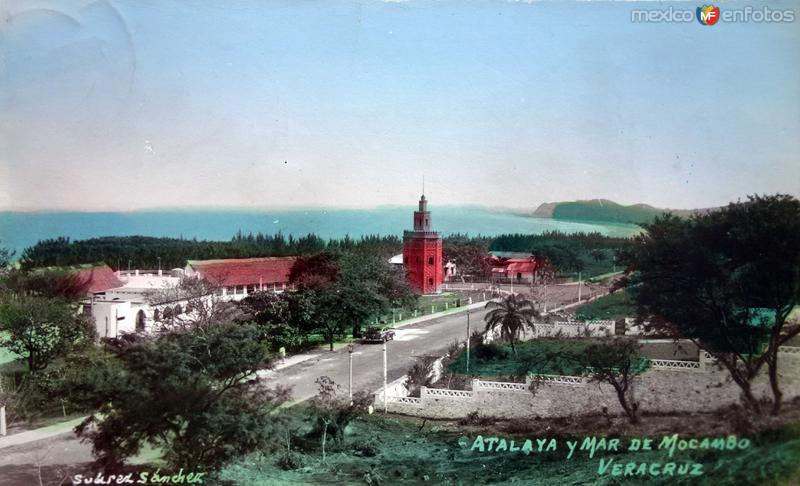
[[376, 335]]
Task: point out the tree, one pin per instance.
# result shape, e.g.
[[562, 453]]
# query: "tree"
[[615, 361], [326, 308], [5, 260], [513, 314], [314, 271], [192, 303], [367, 286], [273, 315], [40, 329], [469, 255], [191, 393], [334, 410], [51, 283], [363, 286], [726, 280], [597, 255], [420, 374]]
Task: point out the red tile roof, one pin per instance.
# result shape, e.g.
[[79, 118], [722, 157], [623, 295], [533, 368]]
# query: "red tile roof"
[[521, 266], [515, 265], [245, 271], [101, 278]]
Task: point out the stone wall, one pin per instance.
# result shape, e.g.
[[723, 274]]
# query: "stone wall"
[[565, 329], [668, 386]]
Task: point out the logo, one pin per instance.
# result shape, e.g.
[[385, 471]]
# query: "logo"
[[708, 14]]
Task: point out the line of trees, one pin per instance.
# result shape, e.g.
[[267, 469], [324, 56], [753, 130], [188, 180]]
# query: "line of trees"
[[567, 252], [148, 252]]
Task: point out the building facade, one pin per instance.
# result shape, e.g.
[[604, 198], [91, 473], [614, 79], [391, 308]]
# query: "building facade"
[[123, 302], [235, 278], [422, 253]]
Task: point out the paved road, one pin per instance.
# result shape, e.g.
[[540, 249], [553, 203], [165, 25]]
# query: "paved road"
[[430, 338]]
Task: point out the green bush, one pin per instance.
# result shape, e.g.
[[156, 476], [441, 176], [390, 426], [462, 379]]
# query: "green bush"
[[490, 352], [290, 461]]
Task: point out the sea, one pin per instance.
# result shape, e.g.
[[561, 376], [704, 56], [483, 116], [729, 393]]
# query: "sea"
[[19, 230]]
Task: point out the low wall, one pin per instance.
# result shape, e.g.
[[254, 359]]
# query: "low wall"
[[575, 328], [668, 386], [560, 329]]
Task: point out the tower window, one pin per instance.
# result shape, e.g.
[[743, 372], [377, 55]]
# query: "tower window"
[[430, 281], [430, 260]]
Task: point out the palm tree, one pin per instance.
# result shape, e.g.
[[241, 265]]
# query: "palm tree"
[[512, 314]]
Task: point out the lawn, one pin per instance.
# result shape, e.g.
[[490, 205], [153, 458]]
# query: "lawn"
[[380, 450], [618, 305], [426, 304], [497, 360]]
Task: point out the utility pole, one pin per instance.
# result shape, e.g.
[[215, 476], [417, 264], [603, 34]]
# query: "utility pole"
[[545, 297], [580, 286], [350, 383], [3, 427], [467, 341], [385, 391]]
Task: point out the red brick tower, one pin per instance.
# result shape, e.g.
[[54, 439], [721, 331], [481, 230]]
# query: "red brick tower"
[[422, 253]]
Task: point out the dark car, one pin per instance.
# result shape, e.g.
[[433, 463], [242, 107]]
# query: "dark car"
[[376, 335]]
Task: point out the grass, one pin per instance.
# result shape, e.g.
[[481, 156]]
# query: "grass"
[[424, 305], [380, 450], [532, 357], [618, 305]]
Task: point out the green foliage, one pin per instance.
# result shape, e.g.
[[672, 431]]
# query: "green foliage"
[[408, 449], [512, 314], [59, 283], [711, 278], [420, 374], [333, 411], [618, 305], [772, 460], [604, 210], [590, 253], [145, 252], [40, 329], [469, 255], [279, 317], [5, 258], [538, 356], [489, 352], [187, 393]]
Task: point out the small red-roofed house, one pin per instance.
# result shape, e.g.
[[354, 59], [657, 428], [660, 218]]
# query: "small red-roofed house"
[[238, 277], [515, 269]]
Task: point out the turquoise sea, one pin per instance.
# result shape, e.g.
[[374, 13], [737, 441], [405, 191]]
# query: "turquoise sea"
[[19, 230]]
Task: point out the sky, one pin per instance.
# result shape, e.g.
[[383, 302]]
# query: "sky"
[[124, 105]]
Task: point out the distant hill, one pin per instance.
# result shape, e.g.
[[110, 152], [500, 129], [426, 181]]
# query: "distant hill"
[[605, 210]]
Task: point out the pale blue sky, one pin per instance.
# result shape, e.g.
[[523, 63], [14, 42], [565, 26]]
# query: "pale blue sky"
[[136, 104]]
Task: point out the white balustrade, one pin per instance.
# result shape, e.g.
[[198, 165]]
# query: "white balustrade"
[[673, 364]]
